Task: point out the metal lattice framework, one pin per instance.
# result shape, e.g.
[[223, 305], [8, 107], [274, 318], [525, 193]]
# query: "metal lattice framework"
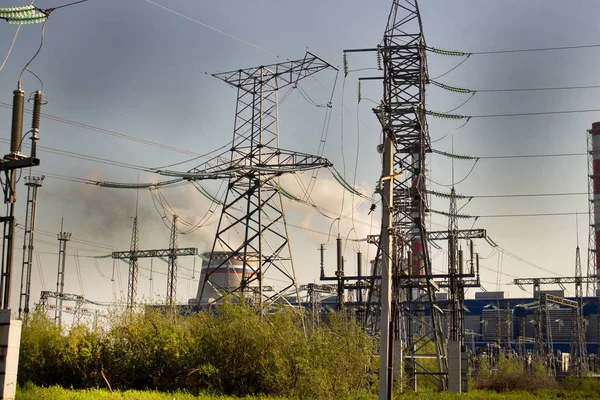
[[32, 183], [403, 119], [133, 265], [63, 238], [173, 265], [252, 224], [543, 337], [592, 245], [171, 254], [578, 346], [456, 291], [78, 310]]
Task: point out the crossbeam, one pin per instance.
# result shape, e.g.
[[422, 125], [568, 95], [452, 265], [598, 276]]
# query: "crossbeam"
[[554, 280], [561, 301], [187, 251], [460, 234]]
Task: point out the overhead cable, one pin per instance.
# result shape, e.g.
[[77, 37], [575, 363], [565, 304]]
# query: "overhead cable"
[[108, 132], [455, 53], [460, 90], [459, 116]]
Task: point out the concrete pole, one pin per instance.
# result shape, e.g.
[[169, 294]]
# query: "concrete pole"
[[386, 267]]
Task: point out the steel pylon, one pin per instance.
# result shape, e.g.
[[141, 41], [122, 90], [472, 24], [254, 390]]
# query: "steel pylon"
[[133, 265], [403, 118], [173, 265], [252, 227], [32, 183]]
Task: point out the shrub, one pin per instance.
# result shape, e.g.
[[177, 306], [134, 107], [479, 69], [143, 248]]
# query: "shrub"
[[511, 375], [232, 351]]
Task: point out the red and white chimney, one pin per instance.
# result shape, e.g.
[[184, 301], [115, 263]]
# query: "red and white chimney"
[[595, 176]]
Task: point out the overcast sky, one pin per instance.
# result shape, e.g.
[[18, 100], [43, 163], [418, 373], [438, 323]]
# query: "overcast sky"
[[137, 69]]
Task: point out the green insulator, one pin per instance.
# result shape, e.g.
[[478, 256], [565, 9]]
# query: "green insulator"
[[345, 64], [449, 53], [446, 116], [6, 11], [379, 57], [359, 92], [455, 89], [26, 20]]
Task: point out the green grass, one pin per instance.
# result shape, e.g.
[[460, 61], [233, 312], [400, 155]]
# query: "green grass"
[[57, 393]]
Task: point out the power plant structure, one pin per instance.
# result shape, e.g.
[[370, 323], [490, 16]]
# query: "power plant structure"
[[223, 273]]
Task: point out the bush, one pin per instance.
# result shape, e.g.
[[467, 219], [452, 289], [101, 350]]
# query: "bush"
[[511, 375], [231, 351]]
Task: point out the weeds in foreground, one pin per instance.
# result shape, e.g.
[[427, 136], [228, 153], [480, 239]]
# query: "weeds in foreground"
[[231, 351]]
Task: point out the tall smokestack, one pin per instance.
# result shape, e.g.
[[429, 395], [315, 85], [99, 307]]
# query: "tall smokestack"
[[595, 222]]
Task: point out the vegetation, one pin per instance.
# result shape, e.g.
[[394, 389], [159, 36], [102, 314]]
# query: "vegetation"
[[57, 393], [511, 374], [232, 351], [150, 355], [570, 390]]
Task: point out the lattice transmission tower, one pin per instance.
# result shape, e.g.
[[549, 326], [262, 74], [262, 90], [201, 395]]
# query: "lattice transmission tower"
[[32, 183], [132, 282], [252, 228], [173, 265], [63, 237], [578, 340], [403, 118]]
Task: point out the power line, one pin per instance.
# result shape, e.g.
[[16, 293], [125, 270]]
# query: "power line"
[[459, 53], [109, 132], [211, 27], [536, 89], [492, 196], [68, 5], [495, 196], [524, 261], [508, 156], [532, 156], [533, 113], [530, 215], [85, 157], [587, 46], [461, 90], [468, 117]]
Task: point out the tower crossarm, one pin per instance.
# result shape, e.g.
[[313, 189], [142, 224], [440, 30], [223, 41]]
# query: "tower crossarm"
[[561, 301], [553, 281], [460, 234], [274, 161], [275, 76], [314, 287], [46, 294], [123, 255]]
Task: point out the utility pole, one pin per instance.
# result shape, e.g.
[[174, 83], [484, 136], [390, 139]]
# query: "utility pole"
[[578, 342], [133, 264], [63, 238], [173, 266], [172, 253], [403, 244], [10, 164], [32, 183], [386, 249]]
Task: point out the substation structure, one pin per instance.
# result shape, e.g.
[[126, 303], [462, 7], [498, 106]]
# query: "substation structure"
[[171, 254], [69, 303]]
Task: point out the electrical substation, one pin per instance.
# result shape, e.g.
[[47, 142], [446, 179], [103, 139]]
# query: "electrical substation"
[[430, 322]]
